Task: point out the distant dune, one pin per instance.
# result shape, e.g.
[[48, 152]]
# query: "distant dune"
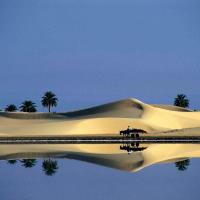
[[104, 119]]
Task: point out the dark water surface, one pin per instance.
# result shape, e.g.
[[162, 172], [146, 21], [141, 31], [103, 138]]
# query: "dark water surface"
[[75, 179]]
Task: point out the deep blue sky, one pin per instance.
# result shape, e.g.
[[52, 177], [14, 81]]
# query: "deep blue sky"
[[94, 51]]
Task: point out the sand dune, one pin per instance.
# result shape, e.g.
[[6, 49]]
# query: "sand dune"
[[104, 119]]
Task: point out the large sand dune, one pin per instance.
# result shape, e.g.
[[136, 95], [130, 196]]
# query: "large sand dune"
[[104, 119]]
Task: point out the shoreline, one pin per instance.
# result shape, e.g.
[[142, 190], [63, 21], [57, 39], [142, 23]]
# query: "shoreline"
[[97, 139]]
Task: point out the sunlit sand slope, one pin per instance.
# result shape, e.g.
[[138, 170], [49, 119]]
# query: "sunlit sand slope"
[[104, 119]]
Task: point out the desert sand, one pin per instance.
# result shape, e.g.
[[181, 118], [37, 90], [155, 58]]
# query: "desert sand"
[[107, 119]]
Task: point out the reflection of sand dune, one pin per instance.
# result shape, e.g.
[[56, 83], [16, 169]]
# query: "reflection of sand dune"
[[108, 155], [104, 119]]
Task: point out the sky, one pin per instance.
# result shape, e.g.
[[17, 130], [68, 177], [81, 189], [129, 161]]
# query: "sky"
[[91, 52]]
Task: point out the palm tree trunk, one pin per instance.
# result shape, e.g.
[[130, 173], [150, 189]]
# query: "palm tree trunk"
[[49, 108]]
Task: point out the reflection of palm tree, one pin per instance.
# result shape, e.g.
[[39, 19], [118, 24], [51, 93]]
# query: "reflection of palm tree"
[[28, 106], [12, 162], [10, 108], [182, 165], [28, 163], [50, 167], [181, 100], [49, 100]]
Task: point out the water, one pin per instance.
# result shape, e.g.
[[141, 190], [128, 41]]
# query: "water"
[[150, 173]]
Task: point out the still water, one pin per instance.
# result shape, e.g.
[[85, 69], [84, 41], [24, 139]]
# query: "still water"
[[99, 171]]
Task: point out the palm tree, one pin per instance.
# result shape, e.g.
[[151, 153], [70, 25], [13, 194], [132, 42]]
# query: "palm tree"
[[10, 108], [28, 163], [181, 100], [182, 165], [50, 167], [28, 106], [49, 100], [12, 162]]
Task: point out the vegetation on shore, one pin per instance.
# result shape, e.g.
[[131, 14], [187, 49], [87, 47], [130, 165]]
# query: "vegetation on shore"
[[11, 108], [49, 100], [28, 106]]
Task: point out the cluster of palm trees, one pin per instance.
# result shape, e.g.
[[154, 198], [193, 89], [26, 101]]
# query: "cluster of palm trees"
[[49, 100], [49, 166]]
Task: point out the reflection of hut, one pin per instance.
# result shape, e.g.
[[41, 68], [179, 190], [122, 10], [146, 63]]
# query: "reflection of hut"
[[131, 147]]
